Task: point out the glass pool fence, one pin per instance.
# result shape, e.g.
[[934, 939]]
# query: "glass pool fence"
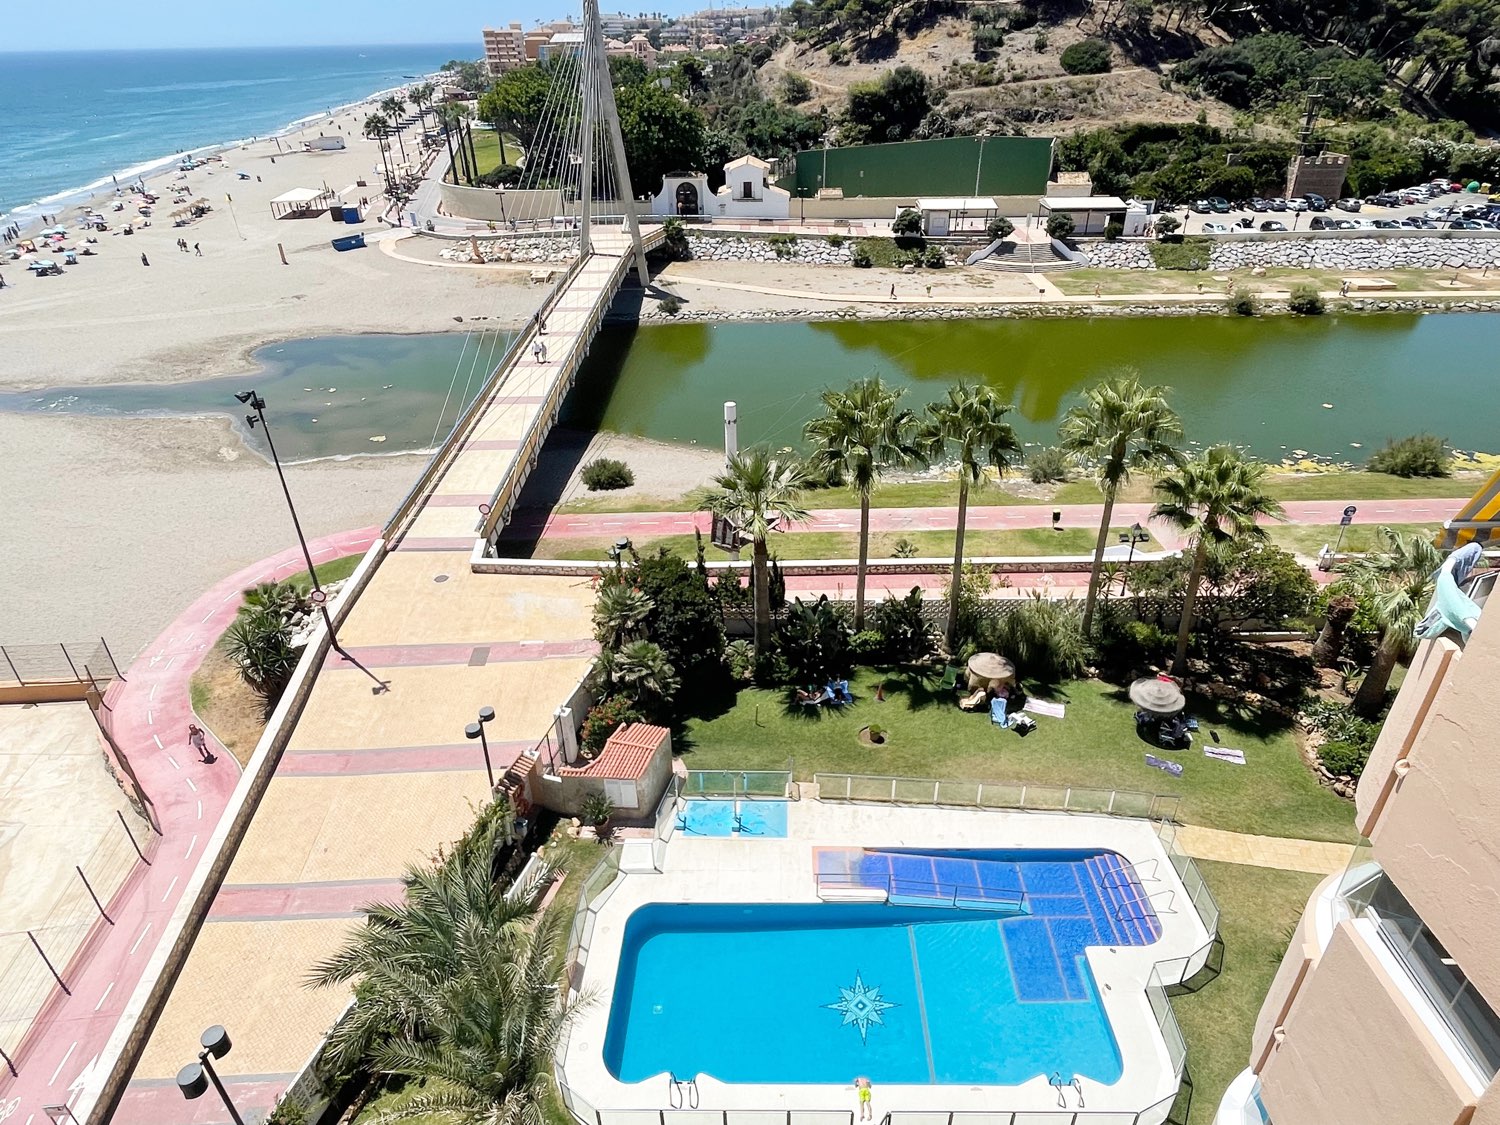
[[994, 795], [751, 784]]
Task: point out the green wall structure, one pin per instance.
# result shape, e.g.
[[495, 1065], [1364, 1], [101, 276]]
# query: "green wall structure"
[[1005, 166]]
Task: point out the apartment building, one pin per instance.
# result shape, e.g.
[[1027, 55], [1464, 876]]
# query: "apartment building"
[[504, 48], [1384, 1008]]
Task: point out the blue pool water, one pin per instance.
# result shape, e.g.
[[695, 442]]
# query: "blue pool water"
[[817, 993], [706, 816]]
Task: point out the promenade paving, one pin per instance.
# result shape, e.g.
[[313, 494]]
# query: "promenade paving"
[[377, 777]]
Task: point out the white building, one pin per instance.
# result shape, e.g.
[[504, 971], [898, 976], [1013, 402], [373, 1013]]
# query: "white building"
[[504, 48], [747, 194]]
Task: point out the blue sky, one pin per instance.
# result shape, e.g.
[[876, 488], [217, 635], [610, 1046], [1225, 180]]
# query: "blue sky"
[[97, 24]]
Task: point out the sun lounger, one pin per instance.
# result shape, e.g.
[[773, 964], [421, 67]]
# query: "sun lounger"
[[974, 702], [950, 678]]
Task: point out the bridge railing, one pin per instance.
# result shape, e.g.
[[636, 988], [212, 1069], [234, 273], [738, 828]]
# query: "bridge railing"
[[406, 510]]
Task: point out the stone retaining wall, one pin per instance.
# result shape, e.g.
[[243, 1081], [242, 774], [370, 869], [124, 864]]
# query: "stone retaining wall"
[[1415, 252], [751, 248]]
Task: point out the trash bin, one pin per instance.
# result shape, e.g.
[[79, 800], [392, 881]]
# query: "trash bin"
[[351, 214], [336, 212]]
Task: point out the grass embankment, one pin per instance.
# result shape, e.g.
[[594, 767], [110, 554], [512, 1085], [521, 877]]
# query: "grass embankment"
[[1096, 746], [1081, 283], [219, 694], [487, 150], [1309, 539], [1258, 909], [793, 545]]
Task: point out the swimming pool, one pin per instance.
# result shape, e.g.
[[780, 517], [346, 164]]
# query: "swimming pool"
[[732, 816], [793, 993]]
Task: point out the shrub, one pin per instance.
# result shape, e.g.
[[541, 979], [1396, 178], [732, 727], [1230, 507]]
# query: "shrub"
[[815, 641], [838, 54], [669, 305], [999, 227], [835, 240], [794, 88], [1048, 464], [935, 259], [783, 245], [506, 174], [674, 242], [1343, 758], [1091, 56], [685, 618], [1130, 646], [1021, 17], [907, 227], [597, 808], [288, 1111], [860, 258], [1421, 455], [1060, 226], [739, 657], [987, 39], [1044, 637], [605, 474], [1183, 254], [1040, 43], [904, 549], [1166, 226], [866, 645], [1242, 302], [904, 635], [1305, 300], [1113, 230], [260, 645], [603, 719]]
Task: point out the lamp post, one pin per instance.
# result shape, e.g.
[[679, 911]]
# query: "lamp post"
[[621, 548], [318, 597], [193, 1080], [476, 730], [1136, 534]]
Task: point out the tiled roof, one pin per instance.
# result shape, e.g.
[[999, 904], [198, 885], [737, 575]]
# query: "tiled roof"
[[626, 755]]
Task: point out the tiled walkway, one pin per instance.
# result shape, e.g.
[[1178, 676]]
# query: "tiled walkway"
[[1314, 856], [373, 782]]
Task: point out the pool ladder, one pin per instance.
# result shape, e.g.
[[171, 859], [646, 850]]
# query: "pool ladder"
[[682, 1094], [1059, 1085]]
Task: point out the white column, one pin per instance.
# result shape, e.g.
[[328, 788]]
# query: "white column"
[[731, 431]]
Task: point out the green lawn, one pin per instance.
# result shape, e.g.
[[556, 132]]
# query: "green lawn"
[[1308, 539], [1031, 541], [1096, 746], [334, 570], [487, 149], [1259, 908]]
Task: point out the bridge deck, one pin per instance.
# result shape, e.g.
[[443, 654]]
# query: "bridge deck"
[[371, 783]]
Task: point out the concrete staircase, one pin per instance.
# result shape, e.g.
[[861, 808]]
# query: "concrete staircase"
[[1026, 257]]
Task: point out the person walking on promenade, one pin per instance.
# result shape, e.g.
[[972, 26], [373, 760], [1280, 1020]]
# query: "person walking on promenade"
[[198, 250], [197, 741], [893, 292], [144, 260], [536, 351]]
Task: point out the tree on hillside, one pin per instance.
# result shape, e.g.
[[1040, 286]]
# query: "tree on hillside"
[[1122, 428], [1397, 580], [862, 432], [969, 424], [889, 109], [1215, 498], [794, 89], [662, 134]]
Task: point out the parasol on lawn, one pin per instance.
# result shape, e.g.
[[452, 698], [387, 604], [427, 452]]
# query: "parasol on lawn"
[[1159, 696]]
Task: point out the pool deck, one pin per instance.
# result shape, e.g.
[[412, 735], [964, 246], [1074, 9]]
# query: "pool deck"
[[701, 869]]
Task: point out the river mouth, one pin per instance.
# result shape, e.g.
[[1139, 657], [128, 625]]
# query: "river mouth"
[[1288, 389]]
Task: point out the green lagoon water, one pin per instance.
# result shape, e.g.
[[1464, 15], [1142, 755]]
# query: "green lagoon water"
[[1258, 382]]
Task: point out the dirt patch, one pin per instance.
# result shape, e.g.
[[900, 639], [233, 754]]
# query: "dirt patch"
[[227, 706]]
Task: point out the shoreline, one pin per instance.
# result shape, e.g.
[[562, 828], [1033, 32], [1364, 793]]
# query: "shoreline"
[[28, 216]]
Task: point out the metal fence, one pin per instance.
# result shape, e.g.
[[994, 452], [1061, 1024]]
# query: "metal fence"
[[62, 663], [588, 1115], [995, 795], [774, 784]]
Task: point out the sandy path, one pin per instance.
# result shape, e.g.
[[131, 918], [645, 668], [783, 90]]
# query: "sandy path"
[[112, 526]]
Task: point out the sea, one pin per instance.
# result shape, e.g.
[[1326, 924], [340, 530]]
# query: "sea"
[[72, 120]]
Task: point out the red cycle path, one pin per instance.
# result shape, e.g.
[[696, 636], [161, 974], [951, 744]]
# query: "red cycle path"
[[981, 518], [150, 710]]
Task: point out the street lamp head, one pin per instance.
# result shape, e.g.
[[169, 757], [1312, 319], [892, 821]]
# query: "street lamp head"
[[473, 730], [1137, 528], [623, 545], [251, 420], [215, 1041], [244, 396], [192, 1081], [486, 714]]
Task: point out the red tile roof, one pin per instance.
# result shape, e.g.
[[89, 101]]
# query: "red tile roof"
[[626, 755]]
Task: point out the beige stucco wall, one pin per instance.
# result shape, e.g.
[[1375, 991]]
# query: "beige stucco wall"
[[1437, 835], [1424, 681], [1354, 1052], [1301, 954]]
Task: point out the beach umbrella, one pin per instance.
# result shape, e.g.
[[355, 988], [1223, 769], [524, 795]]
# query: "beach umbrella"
[[991, 666], [1157, 695]]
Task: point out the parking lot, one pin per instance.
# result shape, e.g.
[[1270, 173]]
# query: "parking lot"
[[1194, 222]]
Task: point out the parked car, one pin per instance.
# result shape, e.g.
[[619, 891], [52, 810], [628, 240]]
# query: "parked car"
[[1465, 224], [1216, 228], [1258, 205], [1387, 224], [1202, 206], [1343, 224], [1484, 224], [1220, 204], [1276, 204], [1418, 223], [1296, 205], [1438, 214], [1349, 203], [1320, 223], [1275, 224], [1385, 199], [1315, 202]]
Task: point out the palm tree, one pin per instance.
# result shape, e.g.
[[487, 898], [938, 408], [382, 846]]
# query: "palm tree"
[[453, 114], [393, 107], [377, 127], [619, 613], [755, 493], [861, 434], [1123, 428], [641, 672], [1214, 498], [1399, 578], [259, 642], [971, 423]]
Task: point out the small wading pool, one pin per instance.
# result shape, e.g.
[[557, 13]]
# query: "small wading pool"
[[819, 992], [708, 816]]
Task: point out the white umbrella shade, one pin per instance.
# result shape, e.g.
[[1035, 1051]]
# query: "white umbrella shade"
[[1161, 697]]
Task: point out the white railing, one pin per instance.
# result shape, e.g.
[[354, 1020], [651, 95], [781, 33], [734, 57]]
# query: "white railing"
[[995, 795]]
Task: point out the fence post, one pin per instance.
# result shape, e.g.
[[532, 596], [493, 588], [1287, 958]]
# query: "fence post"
[[47, 961], [935, 785], [12, 664], [102, 912], [118, 674], [1022, 802], [893, 790], [73, 667], [1113, 793], [131, 835], [1067, 797]]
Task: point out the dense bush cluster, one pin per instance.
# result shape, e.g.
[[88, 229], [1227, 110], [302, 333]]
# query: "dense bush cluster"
[[604, 474], [1421, 455], [1089, 56]]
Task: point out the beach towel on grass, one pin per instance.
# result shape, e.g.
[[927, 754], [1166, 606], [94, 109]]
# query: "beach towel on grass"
[[1224, 754], [1045, 707], [997, 713]]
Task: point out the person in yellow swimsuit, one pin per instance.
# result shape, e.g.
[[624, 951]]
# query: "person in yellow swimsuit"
[[863, 1091]]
